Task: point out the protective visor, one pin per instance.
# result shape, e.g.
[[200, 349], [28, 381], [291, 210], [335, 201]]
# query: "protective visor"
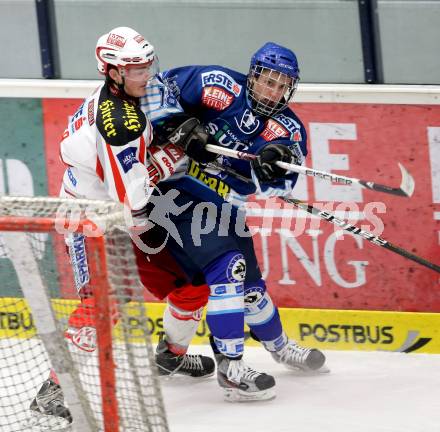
[[141, 72]]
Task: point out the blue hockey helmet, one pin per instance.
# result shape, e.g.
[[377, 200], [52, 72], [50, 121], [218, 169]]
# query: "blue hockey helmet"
[[277, 57], [277, 66]]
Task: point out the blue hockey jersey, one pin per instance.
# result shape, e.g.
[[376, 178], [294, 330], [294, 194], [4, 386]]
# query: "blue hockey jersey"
[[217, 97]]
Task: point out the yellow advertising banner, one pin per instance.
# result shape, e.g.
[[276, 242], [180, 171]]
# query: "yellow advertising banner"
[[318, 328]]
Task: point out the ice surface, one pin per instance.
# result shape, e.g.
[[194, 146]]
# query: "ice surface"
[[364, 392]]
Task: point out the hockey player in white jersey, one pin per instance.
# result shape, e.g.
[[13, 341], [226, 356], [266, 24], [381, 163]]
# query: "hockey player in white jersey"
[[105, 144], [108, 152]]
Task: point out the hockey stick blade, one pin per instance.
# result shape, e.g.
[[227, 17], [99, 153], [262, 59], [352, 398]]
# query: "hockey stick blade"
[[406, 188], [378, 241]]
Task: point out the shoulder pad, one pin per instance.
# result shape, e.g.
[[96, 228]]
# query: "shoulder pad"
[[119, 121]]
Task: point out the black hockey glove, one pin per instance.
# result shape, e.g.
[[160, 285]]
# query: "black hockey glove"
[[192, 137], [265, 167]]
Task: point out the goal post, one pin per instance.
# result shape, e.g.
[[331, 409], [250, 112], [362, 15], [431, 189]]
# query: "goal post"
[[113, 388]]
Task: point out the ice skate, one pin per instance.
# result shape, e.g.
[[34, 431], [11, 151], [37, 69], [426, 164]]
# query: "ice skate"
[[49, 402], [298, 358], [241, 383], [193, 365]]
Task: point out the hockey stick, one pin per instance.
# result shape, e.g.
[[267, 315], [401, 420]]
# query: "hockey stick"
[[406, 188], [329, 217]]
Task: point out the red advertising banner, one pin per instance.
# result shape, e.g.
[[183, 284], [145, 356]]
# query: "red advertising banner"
[[56, 114], [307, 262]]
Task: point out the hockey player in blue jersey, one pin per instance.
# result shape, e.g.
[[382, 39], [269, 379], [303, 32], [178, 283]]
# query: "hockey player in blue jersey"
[[249, 113]]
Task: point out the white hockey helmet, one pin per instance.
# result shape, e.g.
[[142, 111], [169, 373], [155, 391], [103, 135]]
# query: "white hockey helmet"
[[124, 47]]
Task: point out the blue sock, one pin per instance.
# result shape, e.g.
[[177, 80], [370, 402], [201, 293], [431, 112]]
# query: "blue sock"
[[262, 316], [225, 312]]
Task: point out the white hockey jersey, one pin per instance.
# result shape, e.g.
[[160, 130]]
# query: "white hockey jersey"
[[105, 147]]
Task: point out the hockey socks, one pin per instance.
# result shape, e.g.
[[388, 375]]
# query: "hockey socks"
[[180, 327], [262, 316], [263, 319], [225, 312]]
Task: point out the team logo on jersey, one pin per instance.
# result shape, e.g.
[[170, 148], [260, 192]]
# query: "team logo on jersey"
[[221, 79], [127, 158], [236, 271], [84, 338], [116, 40], [216, 98], [248, 124], [253, 295], [274, 130]]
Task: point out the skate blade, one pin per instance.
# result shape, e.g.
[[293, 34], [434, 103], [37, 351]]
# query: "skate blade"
[[165, 375], [308, 372], [44, 423], [237, 395]]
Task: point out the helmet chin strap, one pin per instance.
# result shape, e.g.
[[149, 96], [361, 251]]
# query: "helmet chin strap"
[[250, 89], [119, 87]]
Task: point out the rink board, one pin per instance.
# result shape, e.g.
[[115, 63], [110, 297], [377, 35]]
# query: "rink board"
[[305, 261], [320, 328]]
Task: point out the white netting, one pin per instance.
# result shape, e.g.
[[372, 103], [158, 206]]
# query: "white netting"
[[23, 355]]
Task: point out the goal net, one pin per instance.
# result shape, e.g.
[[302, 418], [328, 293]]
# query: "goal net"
[[50, 248]]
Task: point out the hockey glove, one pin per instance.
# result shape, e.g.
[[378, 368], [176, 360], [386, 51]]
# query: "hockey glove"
[[265, 167], [192, 137], [163, 161]]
